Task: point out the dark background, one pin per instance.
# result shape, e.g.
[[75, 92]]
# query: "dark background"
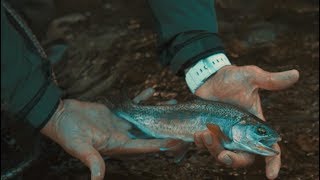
[[113, 46]]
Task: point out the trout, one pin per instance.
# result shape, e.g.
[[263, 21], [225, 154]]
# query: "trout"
[[236, 128]]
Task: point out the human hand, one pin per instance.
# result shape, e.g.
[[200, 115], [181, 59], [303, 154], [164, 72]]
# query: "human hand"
[[239, 85], [85, 130]]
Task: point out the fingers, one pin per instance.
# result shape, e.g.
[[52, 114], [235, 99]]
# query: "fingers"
[[121, 124], [236, 160], [275, 81], [273, 164], [211, 142], [92, 159], [137, 146], [169, 102], [144, 95], [198, 140]]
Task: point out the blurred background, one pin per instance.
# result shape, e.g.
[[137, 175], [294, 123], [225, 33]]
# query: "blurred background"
[[112, 45]]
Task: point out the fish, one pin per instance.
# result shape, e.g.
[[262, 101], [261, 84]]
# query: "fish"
[[237, 129]]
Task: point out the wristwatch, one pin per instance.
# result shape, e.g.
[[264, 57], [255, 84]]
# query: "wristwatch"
[[202, 70]]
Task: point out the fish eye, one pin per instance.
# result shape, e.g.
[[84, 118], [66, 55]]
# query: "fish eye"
[[261, 131]]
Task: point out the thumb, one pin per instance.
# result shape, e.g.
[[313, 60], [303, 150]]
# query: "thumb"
[[92, 159], [276, 81]]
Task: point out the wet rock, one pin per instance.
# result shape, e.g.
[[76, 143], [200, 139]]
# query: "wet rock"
[[133, 24], [135, 77], [107, 6], [244, 5], [263, 33], [299, 6], [72, 6], [307, 143], [168, 95], [260, 36], [70, 19], [238, 48]]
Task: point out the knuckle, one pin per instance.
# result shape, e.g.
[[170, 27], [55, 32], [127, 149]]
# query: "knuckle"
[[71, 148], [213, 152], [244, 161], [99, 106], [196, 137], [253, 68], [198, 143], [198, 134]]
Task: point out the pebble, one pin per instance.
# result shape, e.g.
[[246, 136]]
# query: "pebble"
[[261, 36], [71, 18]]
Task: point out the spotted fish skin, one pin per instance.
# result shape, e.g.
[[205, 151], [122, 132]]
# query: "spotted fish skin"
[[181, 121]]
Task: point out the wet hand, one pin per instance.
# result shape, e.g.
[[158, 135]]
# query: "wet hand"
[[239, 85], [87, 130]]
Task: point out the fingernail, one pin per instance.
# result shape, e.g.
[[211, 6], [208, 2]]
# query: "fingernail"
[[226, 160], [208, 138], [172, 102], [95, 171], [272, 174]]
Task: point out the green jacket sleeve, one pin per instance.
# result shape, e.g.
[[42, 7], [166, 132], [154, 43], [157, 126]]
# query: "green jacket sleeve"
[[27, 90], [187, 31]]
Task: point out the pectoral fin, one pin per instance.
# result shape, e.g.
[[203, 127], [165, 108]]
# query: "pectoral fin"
[[179, 151], [215, 129]]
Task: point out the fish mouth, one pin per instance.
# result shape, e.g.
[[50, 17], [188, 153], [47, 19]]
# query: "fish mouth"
[[262, 147], [265, 150]]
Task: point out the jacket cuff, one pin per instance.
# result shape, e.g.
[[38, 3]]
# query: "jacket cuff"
[[195, 51], [41, 112]]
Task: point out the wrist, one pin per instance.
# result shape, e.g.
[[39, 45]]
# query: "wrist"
[[198, 74], [206, 91], [49, 128]]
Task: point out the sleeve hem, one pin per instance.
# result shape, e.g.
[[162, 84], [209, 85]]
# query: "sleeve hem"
[[193, 52], [45, 108]]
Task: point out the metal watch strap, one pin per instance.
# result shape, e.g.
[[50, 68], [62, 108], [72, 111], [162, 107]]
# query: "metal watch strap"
[[202, 70]]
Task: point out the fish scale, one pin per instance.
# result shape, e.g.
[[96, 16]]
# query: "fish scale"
[[181, 121]]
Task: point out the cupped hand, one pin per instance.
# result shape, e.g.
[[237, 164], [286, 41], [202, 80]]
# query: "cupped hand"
[[87, 130], [239, 85]]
